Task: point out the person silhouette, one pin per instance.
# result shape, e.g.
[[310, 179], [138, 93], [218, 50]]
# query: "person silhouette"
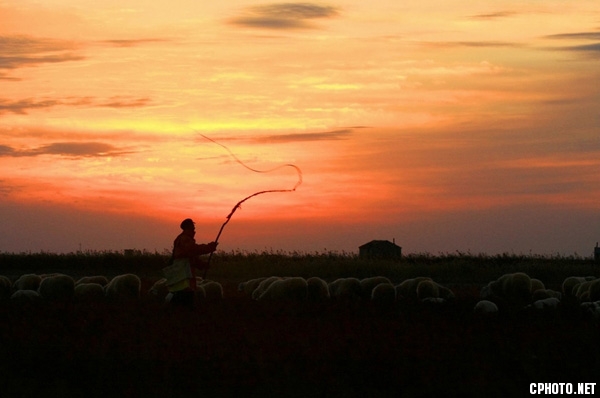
[[186, 260]]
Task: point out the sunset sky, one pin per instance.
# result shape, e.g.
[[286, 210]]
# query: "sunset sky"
[[445, 125]]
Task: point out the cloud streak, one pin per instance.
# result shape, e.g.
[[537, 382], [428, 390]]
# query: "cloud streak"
[[284, 16], [493, 15], [25, 51], [132, 42], [24, 106], [591, 49], [66, 149], [306, 137]]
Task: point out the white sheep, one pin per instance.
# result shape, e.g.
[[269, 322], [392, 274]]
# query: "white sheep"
[[123, 287], [57, 287], [27, 282], [582, 291], [249, 286], [569, 284], [383, 294], [263, 285], [345, 289], [542, 294], [367, 285], [427, 289], [159, 289], [513, 290], [317, 289], [88, 292], [294, 288], [408, 288], [25, 297], [5, 288], [591, 309], [594, 291], [99, 279], [484, 307], [547, 304], [536, 285], [212, 290], [432, 291]]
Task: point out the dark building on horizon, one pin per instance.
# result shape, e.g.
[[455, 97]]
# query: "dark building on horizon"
[[380, 249]]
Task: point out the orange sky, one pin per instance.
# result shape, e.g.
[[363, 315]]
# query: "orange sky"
[[443, 125]]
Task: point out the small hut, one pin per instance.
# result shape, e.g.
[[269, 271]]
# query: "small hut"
[[380, 249]]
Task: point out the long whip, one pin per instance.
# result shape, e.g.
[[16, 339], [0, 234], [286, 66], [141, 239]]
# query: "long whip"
[[239, 204]]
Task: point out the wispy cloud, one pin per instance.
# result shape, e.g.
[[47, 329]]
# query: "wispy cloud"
[[284, 15], [67, 149], [575, 36], [131, 42], [592, 48], [305, 137], [25, 51], [333, 135], [494, 15], [24, 106], [481, 44]]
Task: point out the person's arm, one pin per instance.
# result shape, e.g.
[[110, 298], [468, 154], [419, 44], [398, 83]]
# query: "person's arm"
[[206, 248]]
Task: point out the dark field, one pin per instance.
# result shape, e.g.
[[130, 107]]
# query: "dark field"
[[239, 347]]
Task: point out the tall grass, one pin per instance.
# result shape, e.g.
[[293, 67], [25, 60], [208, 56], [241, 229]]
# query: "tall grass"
[[449, 268]]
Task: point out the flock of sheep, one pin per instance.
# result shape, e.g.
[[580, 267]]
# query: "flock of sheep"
[[33, 288], [514, 291], [510, 292], [378, 289]]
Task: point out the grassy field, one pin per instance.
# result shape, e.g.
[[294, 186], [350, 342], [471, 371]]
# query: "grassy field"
[[240, 347], [449, 268]]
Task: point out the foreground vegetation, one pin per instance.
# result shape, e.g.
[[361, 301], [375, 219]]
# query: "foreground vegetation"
[[449, 268]]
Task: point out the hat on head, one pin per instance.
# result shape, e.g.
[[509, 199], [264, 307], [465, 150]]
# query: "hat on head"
[[188, 223]]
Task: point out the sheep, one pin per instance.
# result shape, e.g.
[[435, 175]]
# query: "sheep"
[[367, 285], [427, 289], [249, 286], [541, 294], [484, 307], [408, 288], [514, 290], [383, 294], [548, 304], [263, 285], [316, 289], [536, 285], [292, 289], [57, 287], [159, 288], [123, 287], [594, 291], [88, 292], [582, 291], [26, 297], [212, 290], [345, 289], [591, 309], [5, 288], [27, 282], [569, 285], [99, 279], [517, 286]]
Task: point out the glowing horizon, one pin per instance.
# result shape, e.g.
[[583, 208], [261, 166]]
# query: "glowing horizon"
[[426, 123]]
